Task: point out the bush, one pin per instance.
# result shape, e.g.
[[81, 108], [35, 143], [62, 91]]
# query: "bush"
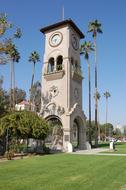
[[9, 155], [46, 150]]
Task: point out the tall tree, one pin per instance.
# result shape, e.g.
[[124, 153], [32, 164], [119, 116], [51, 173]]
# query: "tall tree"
[[8, 51], [95, 27], [4, 25], [1, 81], [14, 56], [36, 95], [98, 98], [85, 50], [20, 95], [4, 102], [106, 95], [34, 58]]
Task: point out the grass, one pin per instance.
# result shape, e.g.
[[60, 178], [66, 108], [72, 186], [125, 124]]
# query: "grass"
[[120, 145], [64, 172], [120, 148]]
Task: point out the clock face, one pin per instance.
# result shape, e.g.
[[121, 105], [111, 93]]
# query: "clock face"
[[55, 39], [75, 43]]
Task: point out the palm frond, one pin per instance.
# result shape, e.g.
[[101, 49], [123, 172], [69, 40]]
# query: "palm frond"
[[18, 33], [86, 48], [94, 27], [34, 57], [107, 94]]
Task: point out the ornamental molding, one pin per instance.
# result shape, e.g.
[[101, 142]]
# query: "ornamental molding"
[[54, 91], [52, 109], [54, 75], [49, 107]]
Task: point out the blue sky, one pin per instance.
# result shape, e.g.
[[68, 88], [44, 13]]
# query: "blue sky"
[[31, 15]]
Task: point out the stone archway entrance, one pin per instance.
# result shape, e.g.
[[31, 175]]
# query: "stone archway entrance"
[[77, 139], [75, 134], [55, 139]]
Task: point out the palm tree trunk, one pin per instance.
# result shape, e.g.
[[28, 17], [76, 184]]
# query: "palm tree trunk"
[[7, 140], [32, 82], [89, 90], [106, 116], [99, 137], [96, 100], [13, 81], [33, 73], [11, 84]]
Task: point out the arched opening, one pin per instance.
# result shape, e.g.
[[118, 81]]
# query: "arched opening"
[[55, 139], [75, 134], [51, 65], [78, 134], [59, 62]]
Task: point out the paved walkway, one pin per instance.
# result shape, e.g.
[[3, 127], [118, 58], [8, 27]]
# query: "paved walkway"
[[97, 151]]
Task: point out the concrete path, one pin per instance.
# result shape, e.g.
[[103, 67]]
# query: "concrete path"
[[97, 151]]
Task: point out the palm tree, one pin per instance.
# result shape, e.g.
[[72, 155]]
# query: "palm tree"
[[18, 33], [36, 96], [1, 81], [95, 27], [34, 58], [4, 24], [98, 98], [106, 95], [14, 56], [2, 51], [85, 49]]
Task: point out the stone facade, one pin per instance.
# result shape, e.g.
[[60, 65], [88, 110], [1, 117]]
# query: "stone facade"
[[62, 81]]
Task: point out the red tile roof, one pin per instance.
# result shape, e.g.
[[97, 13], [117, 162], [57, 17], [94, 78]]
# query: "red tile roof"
[[24, 102]]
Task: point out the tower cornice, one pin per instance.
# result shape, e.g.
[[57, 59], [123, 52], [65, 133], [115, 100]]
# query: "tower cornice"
[[63, 23]]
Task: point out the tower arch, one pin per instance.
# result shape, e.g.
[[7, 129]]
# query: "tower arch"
[[51, 65], [55, 138], [76, 132], [59, 63]]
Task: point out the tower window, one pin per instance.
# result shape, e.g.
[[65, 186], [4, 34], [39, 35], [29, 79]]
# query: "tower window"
[[51, 65], [59, 62]]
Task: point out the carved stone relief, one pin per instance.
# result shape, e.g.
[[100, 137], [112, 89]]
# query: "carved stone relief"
[[54, 91], [48, 107]]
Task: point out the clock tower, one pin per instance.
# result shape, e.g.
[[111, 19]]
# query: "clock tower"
[[62, 86]]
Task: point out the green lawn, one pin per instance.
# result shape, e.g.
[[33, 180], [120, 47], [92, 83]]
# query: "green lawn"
[[120, 145], [120, 148], [64, 172]]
